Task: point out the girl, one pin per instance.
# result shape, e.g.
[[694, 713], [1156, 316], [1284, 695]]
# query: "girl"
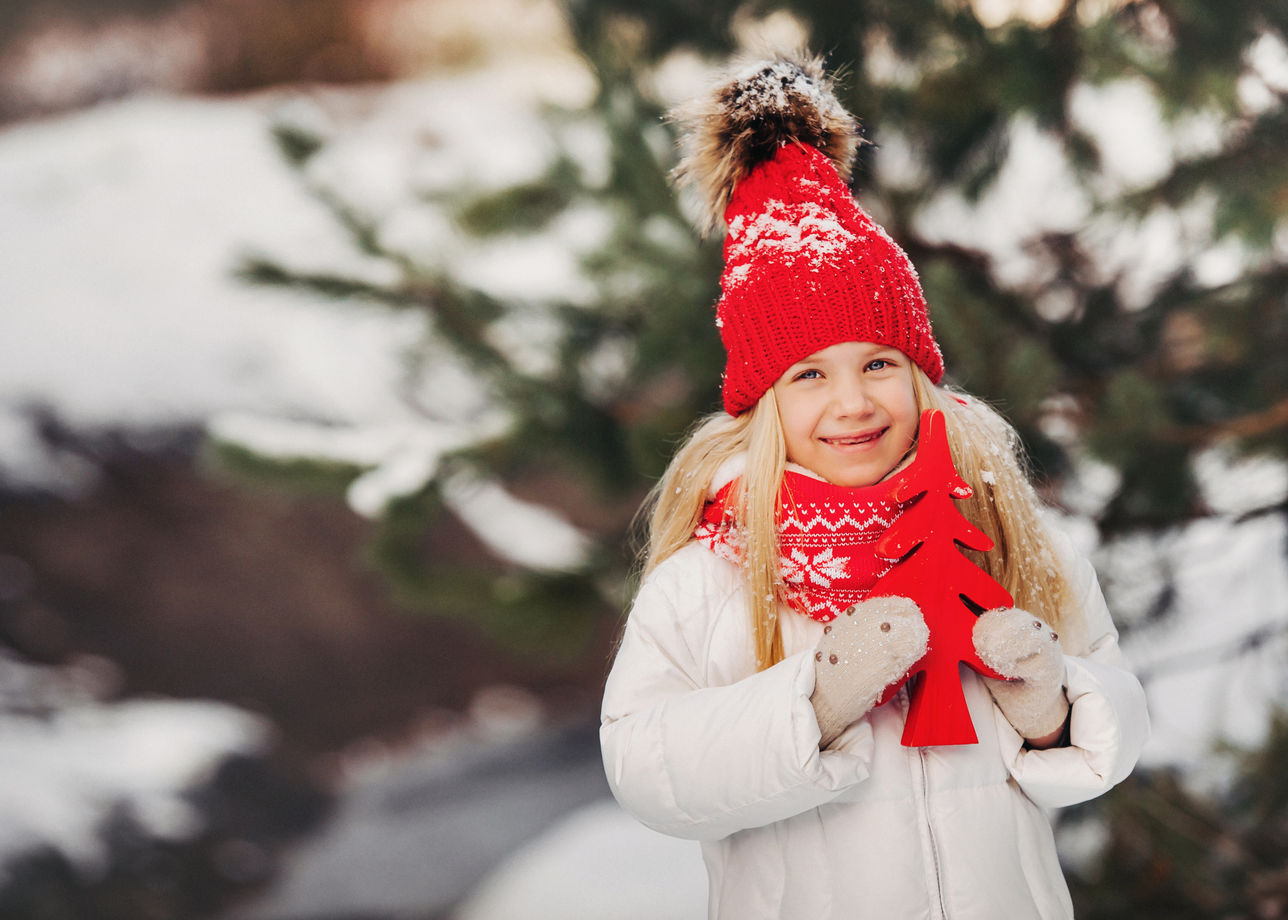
[[742, 707]]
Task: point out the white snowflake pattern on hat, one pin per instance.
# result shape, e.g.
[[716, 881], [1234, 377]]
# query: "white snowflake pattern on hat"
[[786, 229]]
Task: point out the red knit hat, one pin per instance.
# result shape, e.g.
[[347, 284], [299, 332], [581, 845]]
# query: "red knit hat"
[[805, 267]]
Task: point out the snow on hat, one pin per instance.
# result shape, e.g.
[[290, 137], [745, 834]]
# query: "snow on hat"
[[805, 267]]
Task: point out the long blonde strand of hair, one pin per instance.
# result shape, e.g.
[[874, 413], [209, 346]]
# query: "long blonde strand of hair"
[[674, 507], [758, 520]]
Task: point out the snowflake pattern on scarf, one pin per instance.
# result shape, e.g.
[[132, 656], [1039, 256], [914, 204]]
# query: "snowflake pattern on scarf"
[[798, 567], [827, 538]]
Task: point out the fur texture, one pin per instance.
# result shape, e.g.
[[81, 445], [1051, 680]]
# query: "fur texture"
[[750, 113]]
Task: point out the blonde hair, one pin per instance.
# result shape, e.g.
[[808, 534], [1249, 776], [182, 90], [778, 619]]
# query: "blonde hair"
[[985, 450]]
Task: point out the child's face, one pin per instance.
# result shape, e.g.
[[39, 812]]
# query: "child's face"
[[849, 412]]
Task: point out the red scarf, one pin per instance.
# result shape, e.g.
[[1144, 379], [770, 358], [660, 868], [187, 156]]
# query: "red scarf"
[[827, 537]]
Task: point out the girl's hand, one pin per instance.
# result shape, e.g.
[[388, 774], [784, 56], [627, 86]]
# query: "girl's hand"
[[1019, 645], [862, 652]]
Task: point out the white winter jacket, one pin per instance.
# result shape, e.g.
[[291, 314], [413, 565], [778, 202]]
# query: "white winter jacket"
[[698, 744]]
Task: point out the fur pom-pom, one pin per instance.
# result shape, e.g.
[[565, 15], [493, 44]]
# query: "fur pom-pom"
[[750, 113]]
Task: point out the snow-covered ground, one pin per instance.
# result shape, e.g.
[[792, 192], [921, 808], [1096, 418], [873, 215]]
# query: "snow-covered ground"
[[68, 761], [596, 864], [118, 308], [414, 833], [123, 228]]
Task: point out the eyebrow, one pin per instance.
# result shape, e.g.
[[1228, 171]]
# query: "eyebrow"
[[881, 351], [803, 364]]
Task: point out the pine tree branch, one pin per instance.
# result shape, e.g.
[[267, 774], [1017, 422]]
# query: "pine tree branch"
[[259, 270], [1203, 831], [1248, 425], [1279, 507]]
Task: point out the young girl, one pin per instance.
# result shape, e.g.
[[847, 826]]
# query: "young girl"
[[742, 707]]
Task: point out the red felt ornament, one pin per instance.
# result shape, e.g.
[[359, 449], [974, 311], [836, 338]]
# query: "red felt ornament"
[[948, 587]]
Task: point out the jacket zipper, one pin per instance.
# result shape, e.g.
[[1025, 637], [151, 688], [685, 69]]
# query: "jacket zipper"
[[923, 776]]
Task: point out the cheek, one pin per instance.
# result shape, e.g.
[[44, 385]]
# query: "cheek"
[[903, 402], [904, 415], [791, 431], [796, 421], [909, 411]]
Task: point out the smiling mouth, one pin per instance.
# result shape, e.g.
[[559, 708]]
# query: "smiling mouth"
[[855, 440]]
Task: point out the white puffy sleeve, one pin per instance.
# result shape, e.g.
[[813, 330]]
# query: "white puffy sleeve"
[[695, 742], [1108, 725]]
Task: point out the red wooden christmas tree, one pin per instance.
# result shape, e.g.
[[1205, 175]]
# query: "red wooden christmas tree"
[[947, 586]]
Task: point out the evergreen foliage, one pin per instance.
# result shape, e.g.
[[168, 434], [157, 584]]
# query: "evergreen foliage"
[[1152, 377], [1149, 373], [1173, 852]]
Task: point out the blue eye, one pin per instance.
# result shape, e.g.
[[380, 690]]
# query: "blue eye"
[[810, 374], [879, 364]]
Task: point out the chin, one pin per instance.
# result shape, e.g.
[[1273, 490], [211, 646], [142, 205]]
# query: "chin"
[[857, 477], [855, 480]]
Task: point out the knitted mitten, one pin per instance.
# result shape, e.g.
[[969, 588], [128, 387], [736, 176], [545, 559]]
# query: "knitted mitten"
[[1018, 644], [862, 652]]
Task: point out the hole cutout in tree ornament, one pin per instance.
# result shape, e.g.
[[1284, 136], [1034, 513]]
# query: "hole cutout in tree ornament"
[[950, 590]]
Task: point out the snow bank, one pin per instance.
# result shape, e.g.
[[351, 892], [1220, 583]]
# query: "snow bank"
[[1218, 663], [123, 226], [597, 864], [67, 763]]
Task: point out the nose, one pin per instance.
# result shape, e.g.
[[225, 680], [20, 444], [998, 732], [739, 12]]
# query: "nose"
[[852, 399]]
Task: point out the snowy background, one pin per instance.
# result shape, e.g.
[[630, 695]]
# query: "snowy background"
[[120, 310], [123, 226]]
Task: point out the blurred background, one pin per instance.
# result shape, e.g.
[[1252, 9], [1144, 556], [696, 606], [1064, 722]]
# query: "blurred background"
[[340, 340]]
